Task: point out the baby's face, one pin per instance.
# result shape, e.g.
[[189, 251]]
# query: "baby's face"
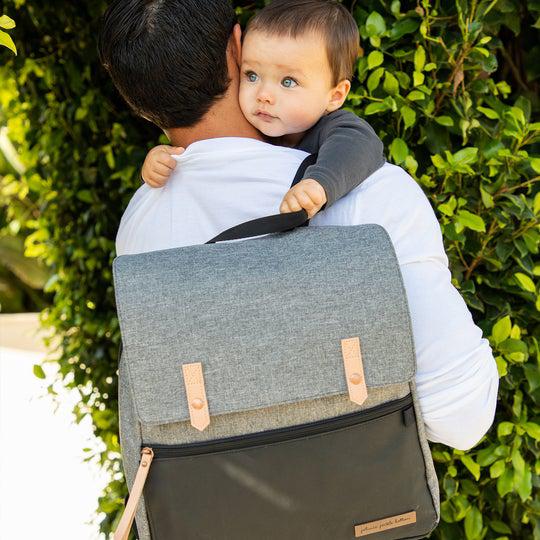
[[285, 83]]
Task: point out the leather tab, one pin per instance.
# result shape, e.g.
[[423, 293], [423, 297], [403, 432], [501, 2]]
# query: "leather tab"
[[384, 524], [354, 369], [196, 395], [124, 525]]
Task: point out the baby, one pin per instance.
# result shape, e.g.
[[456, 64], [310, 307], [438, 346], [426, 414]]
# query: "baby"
[[298, 58]]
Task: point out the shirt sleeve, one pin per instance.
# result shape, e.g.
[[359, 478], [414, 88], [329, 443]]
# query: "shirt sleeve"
[[456, 377], [456, 374], [348, 152]]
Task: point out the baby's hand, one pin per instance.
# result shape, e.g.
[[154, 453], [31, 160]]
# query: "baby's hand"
[[307, 194], [159, 165]]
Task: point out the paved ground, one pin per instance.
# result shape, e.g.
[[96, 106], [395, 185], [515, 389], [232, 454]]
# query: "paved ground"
[[47, 492]]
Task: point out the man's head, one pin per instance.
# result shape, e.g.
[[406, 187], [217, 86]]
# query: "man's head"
[[298, 57], [168, 57]]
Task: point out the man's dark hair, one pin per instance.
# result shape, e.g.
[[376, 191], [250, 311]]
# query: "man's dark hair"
[[168, 57], [326, 18]]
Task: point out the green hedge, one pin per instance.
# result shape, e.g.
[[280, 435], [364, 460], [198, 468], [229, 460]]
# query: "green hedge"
[[451, 87]]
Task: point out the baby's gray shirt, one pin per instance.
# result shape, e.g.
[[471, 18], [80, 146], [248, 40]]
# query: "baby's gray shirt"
[[348, 152]]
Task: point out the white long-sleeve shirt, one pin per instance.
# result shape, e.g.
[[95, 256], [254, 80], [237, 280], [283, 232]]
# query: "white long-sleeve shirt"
[[221, 182]]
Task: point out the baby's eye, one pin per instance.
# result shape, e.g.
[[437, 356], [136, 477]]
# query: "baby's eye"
[[289, 82], [251, 76]]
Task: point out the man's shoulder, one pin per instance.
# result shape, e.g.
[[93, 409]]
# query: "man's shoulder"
[[393, 180], [389, 197], [388, 186]]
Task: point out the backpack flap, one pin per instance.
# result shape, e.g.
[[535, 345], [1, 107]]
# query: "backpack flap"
[[271, 320]]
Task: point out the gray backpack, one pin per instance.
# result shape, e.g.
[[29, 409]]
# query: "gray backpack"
[[266, 389]]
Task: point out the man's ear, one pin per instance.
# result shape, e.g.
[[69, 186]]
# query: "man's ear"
[[338, 94], [236, 44]]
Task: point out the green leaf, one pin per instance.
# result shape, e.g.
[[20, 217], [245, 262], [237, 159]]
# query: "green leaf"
[[470, 221], [38, 371], [536, 204], [408, 115], [403, 27], [523, 482], [473, 467], [532, 374], [411, 164], [518, 403], [85, 195], [501, 329], [489, 455], [444, 121], [375, 25], [448, 207], [6, 22], [390, 85], [515, 349], [395, 7], [505, 482], [5, 39], [466, 156], [483, 51], [399, 150], [535, 164], [419, 58], [525, 282], [473, 524], [109, 156], [487, 199], [500, 527], [502, 366], [490, 113], [532, 429], [497, 468], [418, 78], [374, 79], [438, 161], [375, 41], [416, 95], [469, 488], [374, 108], [375, 59], [504, 429], [518, 462]]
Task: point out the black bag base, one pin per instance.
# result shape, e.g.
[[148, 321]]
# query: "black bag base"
[[315, 481]]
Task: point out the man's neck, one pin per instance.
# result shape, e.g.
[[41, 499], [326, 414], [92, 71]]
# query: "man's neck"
[[224, 119]]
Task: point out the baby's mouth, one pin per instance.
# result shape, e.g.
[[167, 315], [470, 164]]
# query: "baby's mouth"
[[265, 116]]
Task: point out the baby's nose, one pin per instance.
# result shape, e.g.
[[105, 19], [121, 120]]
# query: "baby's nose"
[[265, 97]]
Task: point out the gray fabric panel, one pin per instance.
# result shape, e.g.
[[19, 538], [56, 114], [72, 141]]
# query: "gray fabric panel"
[[130, 444], [244, 422], [264, 316], [432, 479]]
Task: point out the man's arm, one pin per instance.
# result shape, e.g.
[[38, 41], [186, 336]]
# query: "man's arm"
[[456, 374]]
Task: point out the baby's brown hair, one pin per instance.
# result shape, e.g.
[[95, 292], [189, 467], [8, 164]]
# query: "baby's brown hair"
[[326, 18]]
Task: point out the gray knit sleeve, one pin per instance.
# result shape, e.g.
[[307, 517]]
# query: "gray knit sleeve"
[[348, 152]]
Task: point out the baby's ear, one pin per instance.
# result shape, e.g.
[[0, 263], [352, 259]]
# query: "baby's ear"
[[338, 95]]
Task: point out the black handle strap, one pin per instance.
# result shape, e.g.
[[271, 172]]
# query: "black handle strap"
[[270, 224]]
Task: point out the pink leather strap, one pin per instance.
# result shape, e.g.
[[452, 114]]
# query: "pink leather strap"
[[124, 526], [354, 370], [196, 395]]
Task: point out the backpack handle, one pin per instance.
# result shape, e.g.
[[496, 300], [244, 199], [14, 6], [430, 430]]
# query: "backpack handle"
[[265, 225], [270, 224]]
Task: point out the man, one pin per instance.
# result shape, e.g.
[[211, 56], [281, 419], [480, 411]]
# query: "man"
[[177, 64]]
